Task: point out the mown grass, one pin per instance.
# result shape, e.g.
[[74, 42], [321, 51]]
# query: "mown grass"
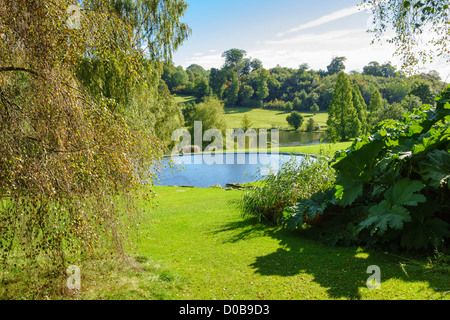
[[325, 149], [204, 241], [267, 119], [196, 245], [184, 98]]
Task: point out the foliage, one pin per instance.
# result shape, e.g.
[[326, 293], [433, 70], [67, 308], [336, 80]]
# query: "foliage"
[[262, 90], [278, 105], [295, 120], [294, 180], [393, 111], [343, 122], [423, 91], [231, 92], [392, 187], [246, 123], [336, 65], [311, 125], [361, 108], [72, 144], [211, 114], [410, 20]]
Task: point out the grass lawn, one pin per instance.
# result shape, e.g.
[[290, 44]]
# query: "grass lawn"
[[267, 119], [184, 99], [208, 251], [326, 149]]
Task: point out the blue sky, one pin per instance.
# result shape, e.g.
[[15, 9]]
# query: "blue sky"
[[284, 32]]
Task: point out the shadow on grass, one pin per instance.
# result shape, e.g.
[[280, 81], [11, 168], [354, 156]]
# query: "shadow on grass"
[[341, 270], [237, 110]]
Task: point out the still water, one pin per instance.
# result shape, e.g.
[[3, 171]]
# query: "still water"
[[202, 171], [293, 138]]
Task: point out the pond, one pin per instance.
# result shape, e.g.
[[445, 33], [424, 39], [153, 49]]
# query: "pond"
[[294, 138], [203, 171]]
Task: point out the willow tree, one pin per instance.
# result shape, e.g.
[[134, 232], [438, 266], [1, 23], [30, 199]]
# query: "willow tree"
[[421, 28], [65, 155], [127, 73]]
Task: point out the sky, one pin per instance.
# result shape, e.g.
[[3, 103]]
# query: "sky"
[[286, 33]]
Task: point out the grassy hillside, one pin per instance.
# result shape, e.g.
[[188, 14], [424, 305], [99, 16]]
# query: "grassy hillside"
[[267, 119], [184, 99]]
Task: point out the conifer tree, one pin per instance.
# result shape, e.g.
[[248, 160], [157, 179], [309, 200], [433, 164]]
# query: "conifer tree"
[[361, 108], [375, 105], [375, 101], [343, 122]]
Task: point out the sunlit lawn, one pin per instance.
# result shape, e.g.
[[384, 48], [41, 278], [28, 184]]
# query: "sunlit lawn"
[[267, 119], [184, 99], [213, 253]]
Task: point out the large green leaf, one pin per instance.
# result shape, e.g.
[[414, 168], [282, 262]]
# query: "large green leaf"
[[391, 213], [436, 168], [404, 193], [357, 168], [383, 216]]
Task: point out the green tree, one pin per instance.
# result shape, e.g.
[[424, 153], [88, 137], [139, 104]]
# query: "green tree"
[[295, 120], [197, 70], [424, 92], [314, 108], [376, 102], [393, 111], [361, 108], [179, 78], [343, 122], [211, 113], [246, 123], [373, 69], [201, 88], [217, 80], [303, 98], [296, 104], [234, 60], [231, 93], [72, 141], [245, 95], [311, 125], [336, 65], [388, 70], [262, 90], [411, 102]]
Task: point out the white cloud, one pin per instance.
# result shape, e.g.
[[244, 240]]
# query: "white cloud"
[[325, 39], [324, 19], [207, 61]]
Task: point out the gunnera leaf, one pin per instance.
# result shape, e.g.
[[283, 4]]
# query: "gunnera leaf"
[[404, 193]]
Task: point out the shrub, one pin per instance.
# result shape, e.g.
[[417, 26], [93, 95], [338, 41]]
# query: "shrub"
[[311, 125], [295, 120], [392, 188], [267, 199]]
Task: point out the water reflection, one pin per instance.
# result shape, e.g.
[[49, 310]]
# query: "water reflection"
[[294, 138], [193, 170]]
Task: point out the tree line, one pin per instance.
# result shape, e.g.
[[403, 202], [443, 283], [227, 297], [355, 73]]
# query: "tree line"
[[382, 92]]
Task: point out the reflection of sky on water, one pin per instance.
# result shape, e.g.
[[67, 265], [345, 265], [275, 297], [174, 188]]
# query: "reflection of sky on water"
[[208, 170]]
